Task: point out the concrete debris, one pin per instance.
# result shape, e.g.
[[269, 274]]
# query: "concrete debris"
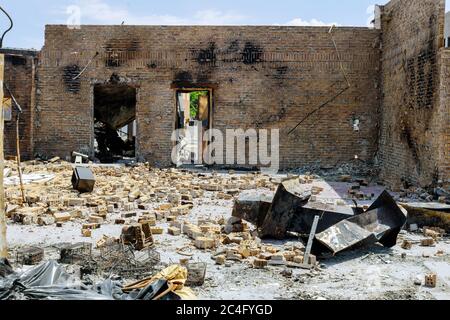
[[407, 245]]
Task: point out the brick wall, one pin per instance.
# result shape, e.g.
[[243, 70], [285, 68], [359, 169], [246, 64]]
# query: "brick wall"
[[412, 33], [444, 116], [263, 77], [19, 66]]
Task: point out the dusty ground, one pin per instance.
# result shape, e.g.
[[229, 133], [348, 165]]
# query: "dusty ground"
[[370, 273]]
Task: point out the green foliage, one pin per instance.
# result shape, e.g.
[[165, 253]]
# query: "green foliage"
[[195, 96]]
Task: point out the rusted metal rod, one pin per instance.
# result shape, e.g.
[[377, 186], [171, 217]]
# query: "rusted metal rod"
[[19, 169]]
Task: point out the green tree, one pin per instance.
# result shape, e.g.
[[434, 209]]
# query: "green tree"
[[195, 97]]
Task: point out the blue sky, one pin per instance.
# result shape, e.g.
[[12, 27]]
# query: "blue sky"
[[30, 16]]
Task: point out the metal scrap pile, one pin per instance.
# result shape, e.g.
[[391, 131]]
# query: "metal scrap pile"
[[340, 227]]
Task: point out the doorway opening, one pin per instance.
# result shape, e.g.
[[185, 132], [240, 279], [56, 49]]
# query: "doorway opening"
[[193, 120], [115, 123]]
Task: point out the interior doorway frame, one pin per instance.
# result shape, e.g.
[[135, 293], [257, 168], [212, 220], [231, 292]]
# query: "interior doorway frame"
[[190, 89], [93, 84]]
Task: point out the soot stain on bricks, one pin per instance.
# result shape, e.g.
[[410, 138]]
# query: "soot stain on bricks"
[[69, 74], [184, 76], [119, 51], [208, 55], [252, 53]]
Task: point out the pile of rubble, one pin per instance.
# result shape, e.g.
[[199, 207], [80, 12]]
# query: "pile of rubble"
[[356, 168], [438, 194], [138, 193], [150, 207], [235, 241]]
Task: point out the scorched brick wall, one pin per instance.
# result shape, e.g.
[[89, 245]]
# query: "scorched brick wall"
[[444, 117], [19, 77], [263, 77], [411, 127]]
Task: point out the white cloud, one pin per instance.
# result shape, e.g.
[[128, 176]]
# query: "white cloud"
[[98, 11], [215, 17], [310, 23]]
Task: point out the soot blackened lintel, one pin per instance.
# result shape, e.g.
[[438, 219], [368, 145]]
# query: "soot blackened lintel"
[[16, 60], [180, 85], [185, 80]]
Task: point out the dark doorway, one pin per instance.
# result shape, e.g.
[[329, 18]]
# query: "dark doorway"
[[114, 122]]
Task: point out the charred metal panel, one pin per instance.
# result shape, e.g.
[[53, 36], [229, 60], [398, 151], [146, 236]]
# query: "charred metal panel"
[[252, 208], [382, 223], [290, 197]]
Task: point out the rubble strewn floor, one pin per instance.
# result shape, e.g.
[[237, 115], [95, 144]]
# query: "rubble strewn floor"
[[199, 205]]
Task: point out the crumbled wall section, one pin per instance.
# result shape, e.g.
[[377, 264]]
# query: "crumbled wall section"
[[444, 116], [263, 77], [19, 77], [412, 33]]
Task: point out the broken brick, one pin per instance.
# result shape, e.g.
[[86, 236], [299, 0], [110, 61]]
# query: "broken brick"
[[204, 243], [220, 260], [427, 242], [157, 230], [174, 231], [96, 219], [431, 280], [260, 263], [87, 233], [62, 216]]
